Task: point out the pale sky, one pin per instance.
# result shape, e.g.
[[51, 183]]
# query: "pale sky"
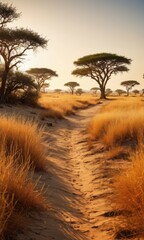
[[76, 28]]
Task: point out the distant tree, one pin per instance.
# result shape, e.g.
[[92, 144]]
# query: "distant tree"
[[129, 84], [94, 90], [58, 90], [43, 89], [142, 92], [41, 75], [100, 68], [79, 91], [108, 91], [135, 91], [14, 43], [72, 86], [119, 91]]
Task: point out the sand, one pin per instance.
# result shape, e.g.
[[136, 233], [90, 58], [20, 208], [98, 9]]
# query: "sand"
[[77, 184]]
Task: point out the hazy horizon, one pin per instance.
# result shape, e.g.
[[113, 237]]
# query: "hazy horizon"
[[78, 28]]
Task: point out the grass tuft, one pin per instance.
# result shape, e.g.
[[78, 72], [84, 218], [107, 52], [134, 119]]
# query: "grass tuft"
[[18, 193], [21, 151], [129, 193], [118, 126], [24, 139]]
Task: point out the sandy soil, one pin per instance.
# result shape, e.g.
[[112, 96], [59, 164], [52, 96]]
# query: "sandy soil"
[[77, 185]]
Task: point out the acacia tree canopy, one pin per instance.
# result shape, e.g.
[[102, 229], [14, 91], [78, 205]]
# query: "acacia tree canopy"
[[129, 84], [100, 68], [119, 91], [94, 89], [72, 86], [40, 76], [79, 91], [14, 44], [8, 14], [135, 91]]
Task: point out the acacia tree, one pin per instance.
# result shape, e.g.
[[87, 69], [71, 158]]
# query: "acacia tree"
[[142, 92], [129, 84], [119, 91], [41, 75], [135, 91], [7, 14], [108, 91], [94, 90], [100, 68], [72, 86], [14, 44], [79, 91], [58, 90]]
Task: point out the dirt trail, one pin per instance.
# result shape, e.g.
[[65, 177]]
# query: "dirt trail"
[[76, 185]]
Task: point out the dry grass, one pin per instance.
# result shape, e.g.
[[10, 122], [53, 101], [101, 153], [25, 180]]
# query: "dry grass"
[[129, 194], [123, 103], [6, 212], [118, 123], [118, 152], [19, 194], [21, 151], [120, 126], [59, 105], [24, 139]]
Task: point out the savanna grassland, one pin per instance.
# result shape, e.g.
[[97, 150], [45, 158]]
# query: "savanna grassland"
[[60, 105], [22, 153], [119, 126], [90, 161]]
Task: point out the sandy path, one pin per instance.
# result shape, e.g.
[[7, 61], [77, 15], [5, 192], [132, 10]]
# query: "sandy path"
[[76, 185]]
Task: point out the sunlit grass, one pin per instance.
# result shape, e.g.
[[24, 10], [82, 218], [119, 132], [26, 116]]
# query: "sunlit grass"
[[129, 194], [21, 151], [24, 139], [119, 122], [59, 105], [119, 125], [18, 193]]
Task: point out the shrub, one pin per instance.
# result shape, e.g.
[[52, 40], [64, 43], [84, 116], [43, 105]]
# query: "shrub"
[[30, 98]]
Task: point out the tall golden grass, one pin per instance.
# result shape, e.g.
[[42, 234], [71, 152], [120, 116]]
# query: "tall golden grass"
[[19, 194], [60, 105], [120, 126], [23, 138], [119, 122], [129, 194], [21, 149]]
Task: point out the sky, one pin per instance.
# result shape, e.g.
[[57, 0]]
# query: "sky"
[[75, 28]]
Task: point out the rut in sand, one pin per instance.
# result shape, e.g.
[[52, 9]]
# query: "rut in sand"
[[76, 185]]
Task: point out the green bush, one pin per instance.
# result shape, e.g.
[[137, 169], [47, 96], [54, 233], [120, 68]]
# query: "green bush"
[[30, 98]]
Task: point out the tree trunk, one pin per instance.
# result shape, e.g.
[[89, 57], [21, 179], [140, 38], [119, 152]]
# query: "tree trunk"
[[103, 94], [3, 85]]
